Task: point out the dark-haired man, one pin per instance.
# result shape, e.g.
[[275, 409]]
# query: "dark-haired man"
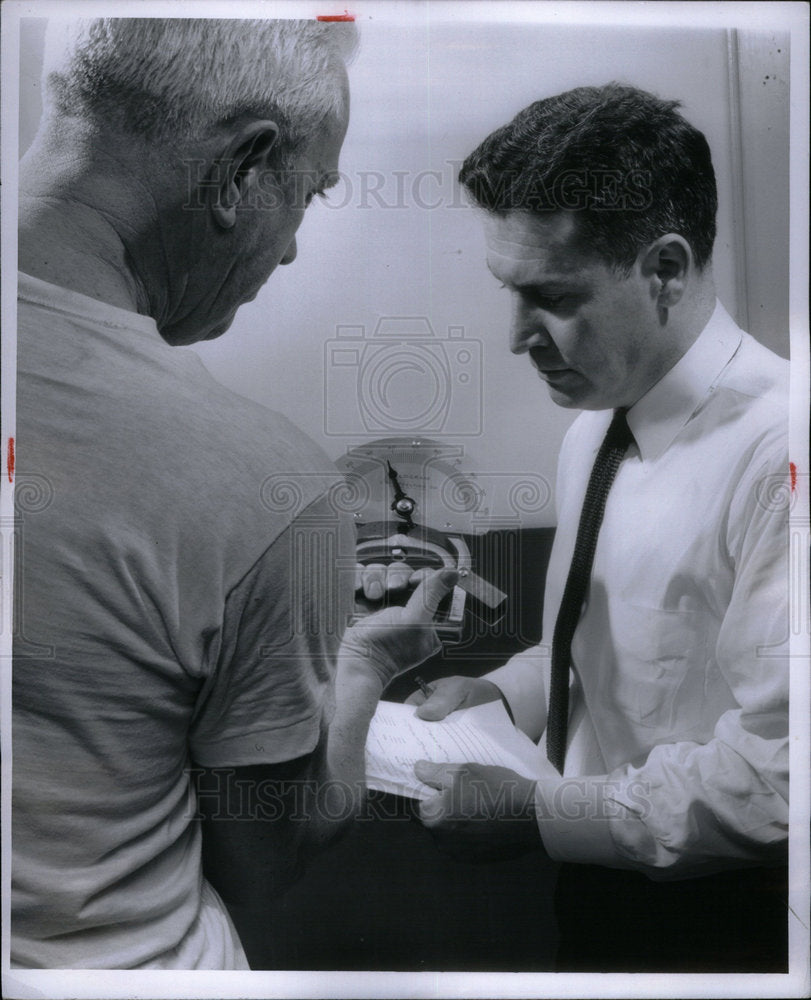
[[661, 690]]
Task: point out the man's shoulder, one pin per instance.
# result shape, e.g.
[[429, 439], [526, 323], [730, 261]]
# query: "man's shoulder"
[[162, 405], [255, 440], [757, 371], [241, 449], [753, 392]]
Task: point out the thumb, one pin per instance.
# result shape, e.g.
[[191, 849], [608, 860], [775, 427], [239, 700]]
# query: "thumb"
[[423, 603], [444, 699], [432, 810], [430, 773]]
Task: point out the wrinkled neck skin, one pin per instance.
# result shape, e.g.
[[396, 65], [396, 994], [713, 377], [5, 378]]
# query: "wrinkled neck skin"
[[105, 218]]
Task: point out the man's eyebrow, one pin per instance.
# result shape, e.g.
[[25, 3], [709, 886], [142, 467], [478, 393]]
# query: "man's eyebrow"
[[557, 281]]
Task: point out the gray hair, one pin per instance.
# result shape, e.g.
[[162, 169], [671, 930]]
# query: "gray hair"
[[185, 78]]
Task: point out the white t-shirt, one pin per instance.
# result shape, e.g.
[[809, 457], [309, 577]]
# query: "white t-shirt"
[[180, 597]]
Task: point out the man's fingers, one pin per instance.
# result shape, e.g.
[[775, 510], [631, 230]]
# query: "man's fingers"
[[398, 576], [447, 695], [438, 776], [415, 698], [423, 603], [377, 579], [373, 581], [438, 706], [434, 810]]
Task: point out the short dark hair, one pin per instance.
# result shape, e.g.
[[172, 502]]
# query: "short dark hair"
[[626, 161]]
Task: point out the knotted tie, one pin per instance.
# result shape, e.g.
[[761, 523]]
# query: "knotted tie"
[[614, 446]]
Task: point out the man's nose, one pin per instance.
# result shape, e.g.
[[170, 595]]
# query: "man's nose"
[[527, 330], [290, 252]]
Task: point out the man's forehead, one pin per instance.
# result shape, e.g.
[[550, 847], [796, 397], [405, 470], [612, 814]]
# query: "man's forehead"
[[324, 146], [321, 155], [519, 239]]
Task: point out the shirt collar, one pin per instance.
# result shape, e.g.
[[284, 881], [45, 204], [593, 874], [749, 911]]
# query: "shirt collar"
[[43, 293], [660, 414]]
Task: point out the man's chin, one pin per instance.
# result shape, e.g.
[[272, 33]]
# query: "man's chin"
[[564, 389], [184, 338], [182, 335], [218, 330], [582, 401]]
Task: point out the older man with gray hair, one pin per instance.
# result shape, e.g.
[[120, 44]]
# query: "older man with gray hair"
[[179, 624]]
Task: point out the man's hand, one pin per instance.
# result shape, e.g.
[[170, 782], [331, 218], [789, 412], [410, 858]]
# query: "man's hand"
[[378, 579], [481, 812], [390, 641], [450, 693]]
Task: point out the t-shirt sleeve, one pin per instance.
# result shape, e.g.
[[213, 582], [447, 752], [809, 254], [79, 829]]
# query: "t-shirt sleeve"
[[270, 691]]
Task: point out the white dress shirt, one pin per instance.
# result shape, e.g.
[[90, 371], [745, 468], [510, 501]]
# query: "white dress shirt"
[[677, 759]]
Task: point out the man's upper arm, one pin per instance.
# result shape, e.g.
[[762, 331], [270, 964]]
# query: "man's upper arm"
[[258, 736], [259, 822], [270, 688]]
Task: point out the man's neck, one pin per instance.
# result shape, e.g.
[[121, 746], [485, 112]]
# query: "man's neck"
[[699, 308], [72, 246], [79, 222]]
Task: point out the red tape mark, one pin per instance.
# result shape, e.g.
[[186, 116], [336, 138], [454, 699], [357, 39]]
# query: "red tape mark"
[[346, 16], [10, 460], [792, 468]]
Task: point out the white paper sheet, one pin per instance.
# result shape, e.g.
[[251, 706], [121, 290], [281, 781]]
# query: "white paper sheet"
[[480, 735]]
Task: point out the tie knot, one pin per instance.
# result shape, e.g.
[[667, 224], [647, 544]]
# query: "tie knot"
[[619, 433]]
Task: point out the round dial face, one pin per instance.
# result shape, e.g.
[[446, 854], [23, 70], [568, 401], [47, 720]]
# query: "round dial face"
[[415, 480]]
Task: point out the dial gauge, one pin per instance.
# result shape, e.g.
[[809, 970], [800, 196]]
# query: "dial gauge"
[[415, 482]]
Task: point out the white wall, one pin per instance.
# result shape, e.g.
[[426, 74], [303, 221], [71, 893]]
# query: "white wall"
[[424, 93]]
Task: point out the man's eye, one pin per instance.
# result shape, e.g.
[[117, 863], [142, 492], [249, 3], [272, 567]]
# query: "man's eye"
[[544, 301], [549, 301]]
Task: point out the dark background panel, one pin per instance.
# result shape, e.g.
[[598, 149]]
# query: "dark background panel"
[[384, 898]]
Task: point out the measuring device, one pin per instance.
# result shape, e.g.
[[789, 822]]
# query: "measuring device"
[[413, 505]]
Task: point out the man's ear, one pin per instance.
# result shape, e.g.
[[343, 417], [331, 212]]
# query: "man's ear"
[[667, 264], [236, 169]]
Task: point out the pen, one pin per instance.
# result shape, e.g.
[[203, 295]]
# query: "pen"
[[427, 691]]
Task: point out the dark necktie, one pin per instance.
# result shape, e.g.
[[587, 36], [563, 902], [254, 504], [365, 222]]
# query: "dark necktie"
[[614, 446]]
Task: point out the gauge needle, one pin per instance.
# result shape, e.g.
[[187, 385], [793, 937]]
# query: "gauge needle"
[[402, 505]]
